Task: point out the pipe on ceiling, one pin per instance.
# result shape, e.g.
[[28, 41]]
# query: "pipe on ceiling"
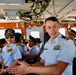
[[64, 6]]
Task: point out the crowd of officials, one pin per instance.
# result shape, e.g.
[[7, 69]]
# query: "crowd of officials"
[[14, 47], [56, 56]]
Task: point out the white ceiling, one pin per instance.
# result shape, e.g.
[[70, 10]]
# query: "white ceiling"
[[66, 7], [60, 8]]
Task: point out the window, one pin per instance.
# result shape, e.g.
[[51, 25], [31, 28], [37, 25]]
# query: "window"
[[2, 32], [62, 31], [35, 34], [18, 30], [74, 28]]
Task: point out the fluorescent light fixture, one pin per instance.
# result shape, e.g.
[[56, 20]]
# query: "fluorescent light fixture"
[[3, 4], [14, 4], [13, 1], [12, 17], [10, 12], [10, 4]]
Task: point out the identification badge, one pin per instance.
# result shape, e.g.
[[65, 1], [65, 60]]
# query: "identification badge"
[[9, 50], [57, 47]]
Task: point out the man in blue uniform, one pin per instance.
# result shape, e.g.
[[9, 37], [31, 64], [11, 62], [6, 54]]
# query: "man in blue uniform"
[[10, 53], [72, 35], [18, 41], [57, 56], [34, 50]]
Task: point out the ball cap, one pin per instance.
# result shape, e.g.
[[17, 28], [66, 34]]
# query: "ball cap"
[[38, 40], [32, 38], [18, 36], [9, 32]]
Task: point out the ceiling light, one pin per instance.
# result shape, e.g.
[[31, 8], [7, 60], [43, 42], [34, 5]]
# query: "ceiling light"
[[13, 1]]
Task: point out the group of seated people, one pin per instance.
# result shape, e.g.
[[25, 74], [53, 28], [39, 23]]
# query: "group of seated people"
[[14, 47], [17, 58]]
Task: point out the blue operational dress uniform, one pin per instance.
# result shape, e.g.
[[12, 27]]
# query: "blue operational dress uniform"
[[72, 35], [18, 41], [59, 50], [20, 47], [33, 51], [34, 48]]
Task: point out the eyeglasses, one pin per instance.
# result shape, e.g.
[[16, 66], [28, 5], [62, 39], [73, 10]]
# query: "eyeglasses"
[[9, 37]]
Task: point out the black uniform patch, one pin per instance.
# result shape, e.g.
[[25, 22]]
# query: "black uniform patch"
[[66, 38]]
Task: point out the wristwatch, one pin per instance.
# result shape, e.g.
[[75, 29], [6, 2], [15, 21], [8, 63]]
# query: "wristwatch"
[[5, 70]]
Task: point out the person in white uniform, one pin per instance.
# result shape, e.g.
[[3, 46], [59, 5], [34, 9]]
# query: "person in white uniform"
[[57, 56]]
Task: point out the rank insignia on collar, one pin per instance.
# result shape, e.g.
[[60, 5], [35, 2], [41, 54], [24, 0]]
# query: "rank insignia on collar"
[[57, 47], [9, 50]]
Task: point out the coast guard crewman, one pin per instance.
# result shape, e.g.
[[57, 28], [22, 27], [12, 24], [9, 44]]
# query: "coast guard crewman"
[[10, 53], [72, 35], [34, 50], [57, 57]]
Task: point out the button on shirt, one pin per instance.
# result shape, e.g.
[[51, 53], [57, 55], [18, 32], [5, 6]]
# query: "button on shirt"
[[10, 54], [59, 50]]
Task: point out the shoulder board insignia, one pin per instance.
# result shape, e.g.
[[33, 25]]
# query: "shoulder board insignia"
[[66, 38], [17, 44]]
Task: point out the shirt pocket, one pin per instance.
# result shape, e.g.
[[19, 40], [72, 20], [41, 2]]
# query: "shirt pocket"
[[56, 52]]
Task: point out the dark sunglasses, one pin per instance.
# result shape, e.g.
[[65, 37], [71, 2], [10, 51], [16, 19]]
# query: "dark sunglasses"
[[9, 37]]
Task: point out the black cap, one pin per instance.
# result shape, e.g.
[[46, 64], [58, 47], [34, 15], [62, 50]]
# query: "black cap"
[[38, 40], [9, 32], [18, 37], [71, 31], [32, 38]]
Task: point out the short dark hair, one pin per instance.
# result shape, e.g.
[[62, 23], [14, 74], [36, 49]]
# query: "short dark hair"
[[18, 37], [52, 18]]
